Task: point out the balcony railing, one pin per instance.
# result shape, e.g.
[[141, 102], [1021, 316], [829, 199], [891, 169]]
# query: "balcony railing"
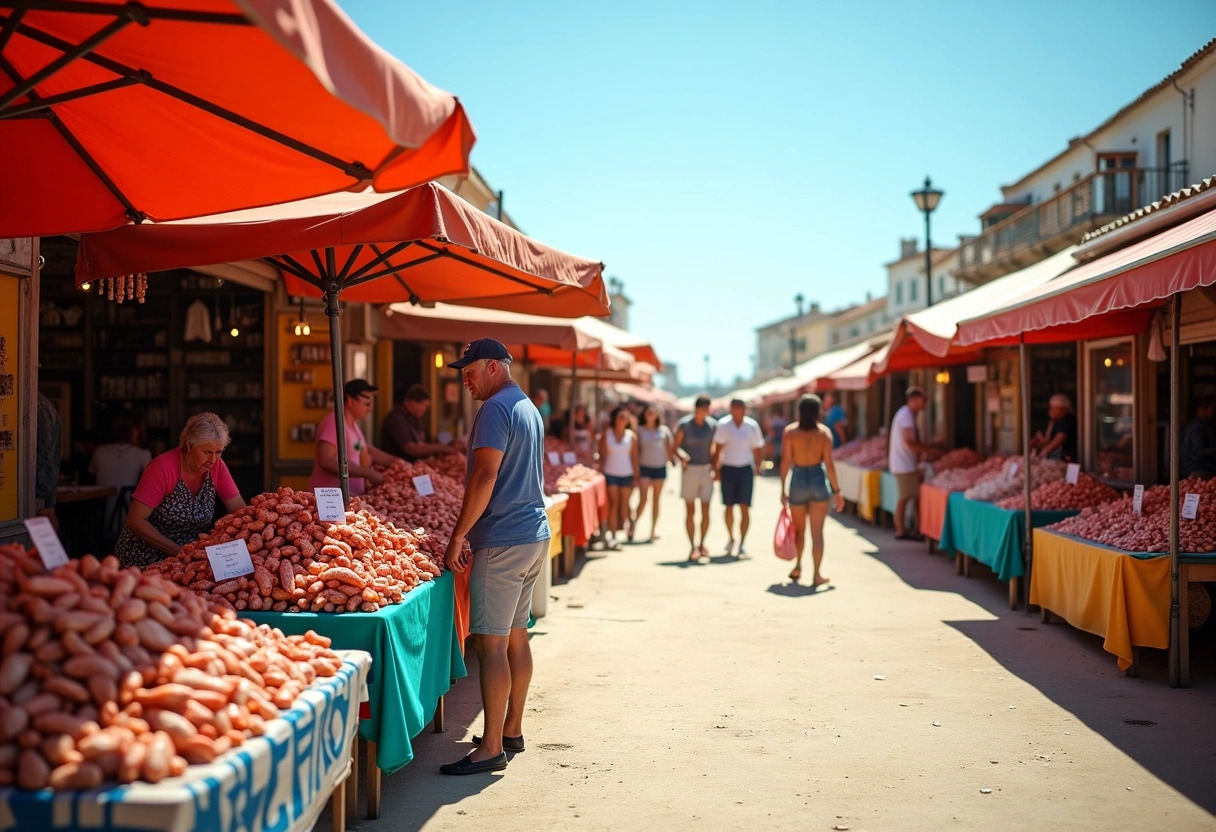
[[1052, 224]]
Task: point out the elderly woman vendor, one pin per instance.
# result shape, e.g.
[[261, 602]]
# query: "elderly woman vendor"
[[175, 500]]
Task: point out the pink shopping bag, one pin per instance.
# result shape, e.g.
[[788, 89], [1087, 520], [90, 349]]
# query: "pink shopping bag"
[[784, 544]]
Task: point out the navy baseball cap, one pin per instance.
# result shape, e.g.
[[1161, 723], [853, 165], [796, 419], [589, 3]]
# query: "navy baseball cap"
[[482, 348]]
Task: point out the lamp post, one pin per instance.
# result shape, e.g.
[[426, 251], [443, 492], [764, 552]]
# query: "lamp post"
[[707, 384], [926, 200]]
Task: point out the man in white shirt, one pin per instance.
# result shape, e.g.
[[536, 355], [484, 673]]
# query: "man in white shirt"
[[903, 458], [737, 455]]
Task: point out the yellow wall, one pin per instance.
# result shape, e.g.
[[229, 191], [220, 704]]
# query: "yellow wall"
[[292, 411]]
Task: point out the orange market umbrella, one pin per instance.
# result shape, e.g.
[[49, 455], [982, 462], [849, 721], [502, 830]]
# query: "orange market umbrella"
[[423, 245], [113, 113]]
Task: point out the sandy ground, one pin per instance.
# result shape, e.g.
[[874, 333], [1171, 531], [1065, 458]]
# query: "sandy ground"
[[719, 696]]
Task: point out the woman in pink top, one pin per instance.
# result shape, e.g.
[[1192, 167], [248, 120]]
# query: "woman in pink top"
[[361, 455], [175, 500]]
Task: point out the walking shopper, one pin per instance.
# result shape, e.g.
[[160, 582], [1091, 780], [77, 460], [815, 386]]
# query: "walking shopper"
[[693, 440], [903, 460], [738, 452], [807, 459], [619, 465], [654, 452], [503, 517]]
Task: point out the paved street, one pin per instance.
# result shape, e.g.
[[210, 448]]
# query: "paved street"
[[718, 696]]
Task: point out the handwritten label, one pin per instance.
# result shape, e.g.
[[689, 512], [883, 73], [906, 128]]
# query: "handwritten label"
[[1138, 499], [1011, 469], [1190, 506], [569, 457], [329, 505], [555, 458], [1072, 473], [445, 437], [43, 536], [424, 485], [230, 560]]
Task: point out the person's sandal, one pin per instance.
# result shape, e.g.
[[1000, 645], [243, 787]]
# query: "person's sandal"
[[795, 575]]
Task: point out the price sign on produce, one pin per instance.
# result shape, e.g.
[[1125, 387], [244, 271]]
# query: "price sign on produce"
[[50, 548], [1138, 499], [230, 560], [555, 458], [569, 458], [329, 505], [1190, 507], [1072, 473], [1011, 469], [424, 485]]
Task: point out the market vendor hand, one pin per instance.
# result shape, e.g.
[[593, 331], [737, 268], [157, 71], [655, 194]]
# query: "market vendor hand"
[[457, 558], [375, 477], [398, 463]]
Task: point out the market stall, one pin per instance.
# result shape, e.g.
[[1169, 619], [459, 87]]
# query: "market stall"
[[281, 780], [859, 467]]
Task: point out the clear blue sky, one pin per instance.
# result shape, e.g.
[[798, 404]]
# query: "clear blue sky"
[[722, 157]]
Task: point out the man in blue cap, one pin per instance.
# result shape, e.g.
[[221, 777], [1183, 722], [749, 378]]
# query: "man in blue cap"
[[503, 518]]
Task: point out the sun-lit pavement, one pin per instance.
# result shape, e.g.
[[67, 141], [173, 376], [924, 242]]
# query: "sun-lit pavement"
[[719, 696]]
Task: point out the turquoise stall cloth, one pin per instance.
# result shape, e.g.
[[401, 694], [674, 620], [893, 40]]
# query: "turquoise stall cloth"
[[415, 659], [990, 534], [889, 490]]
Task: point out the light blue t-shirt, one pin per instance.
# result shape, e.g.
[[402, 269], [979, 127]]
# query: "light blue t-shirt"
[[515, 515], [835, 416]]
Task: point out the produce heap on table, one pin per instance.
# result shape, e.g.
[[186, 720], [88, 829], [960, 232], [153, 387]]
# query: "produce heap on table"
[[397, 500], [1002, 483], [302, 564], [113, 675], [864, 453], [959, 458], [960, 479], [572, 478], [1060, 495], [1116, 524]]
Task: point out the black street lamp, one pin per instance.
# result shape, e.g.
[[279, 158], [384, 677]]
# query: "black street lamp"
[[926, 200]]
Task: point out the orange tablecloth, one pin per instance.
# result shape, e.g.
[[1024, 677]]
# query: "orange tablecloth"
[[461, 585], [1104, 591], [932, 510], [581, 519]]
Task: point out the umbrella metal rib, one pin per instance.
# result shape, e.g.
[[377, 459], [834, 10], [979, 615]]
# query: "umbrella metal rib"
[[354, 169]]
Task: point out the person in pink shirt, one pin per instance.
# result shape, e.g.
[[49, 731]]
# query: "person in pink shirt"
[[174, 501], [361, 455]]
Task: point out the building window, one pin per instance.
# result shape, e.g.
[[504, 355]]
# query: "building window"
[[899, 293], [912, 290], [1111, 431]]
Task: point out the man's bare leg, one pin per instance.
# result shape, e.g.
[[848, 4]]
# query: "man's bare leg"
[[495, 674], [744, 522], [519, 656], [730, 529]]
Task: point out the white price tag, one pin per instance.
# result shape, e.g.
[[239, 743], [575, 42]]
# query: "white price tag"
[[1012, 468], [555, 458], [424, 485], [570, 458], [1190, 506], [1072, 473], [445, 437], [329, 505], [928, 470], [1138, 499], [229, 560], [43, 536]]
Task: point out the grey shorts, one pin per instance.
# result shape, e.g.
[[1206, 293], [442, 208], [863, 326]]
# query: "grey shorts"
[[500, 586], [697, 483]]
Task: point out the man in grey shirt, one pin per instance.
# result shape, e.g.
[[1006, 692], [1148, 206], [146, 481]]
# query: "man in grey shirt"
[[694, 438]]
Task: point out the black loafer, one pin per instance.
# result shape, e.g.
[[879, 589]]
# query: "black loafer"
[[513, 744], [467, 766]]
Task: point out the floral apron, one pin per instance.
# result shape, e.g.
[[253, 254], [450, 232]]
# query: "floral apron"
[[181, 517]]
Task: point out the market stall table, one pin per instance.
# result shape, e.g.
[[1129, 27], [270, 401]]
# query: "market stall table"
[[932, 507], [870, 499], [416, 658], [888, 490], [281, 780], [1122, 596], [581, 518], [991, 535]]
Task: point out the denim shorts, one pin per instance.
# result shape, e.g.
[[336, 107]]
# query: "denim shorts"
[[659, 473], [808, 484], [619, 482]]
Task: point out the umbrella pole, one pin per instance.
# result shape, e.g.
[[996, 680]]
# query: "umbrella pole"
[[1180, 676], [332, 288], [573, 396], [1028, 539]]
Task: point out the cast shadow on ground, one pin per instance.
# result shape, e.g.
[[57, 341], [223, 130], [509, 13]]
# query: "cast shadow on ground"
[[791, 590], [1069, 667]]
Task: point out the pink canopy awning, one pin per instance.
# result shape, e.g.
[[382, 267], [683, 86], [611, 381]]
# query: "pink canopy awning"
[[1112, 295], [857, 376]]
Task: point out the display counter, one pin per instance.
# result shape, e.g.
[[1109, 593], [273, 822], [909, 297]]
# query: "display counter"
[[862, 486], [278, 781], [581, 517], [932, 508], [416, 657], [991, 535], [888, 493]]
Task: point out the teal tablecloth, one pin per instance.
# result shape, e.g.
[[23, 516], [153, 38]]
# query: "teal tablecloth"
[[889, 490], [415, 659], [990, 534]]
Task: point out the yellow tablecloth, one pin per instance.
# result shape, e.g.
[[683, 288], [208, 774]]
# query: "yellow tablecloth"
[[1108, 592], [870, 499]]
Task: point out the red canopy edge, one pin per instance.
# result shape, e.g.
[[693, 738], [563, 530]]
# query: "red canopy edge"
[[1123, 288]]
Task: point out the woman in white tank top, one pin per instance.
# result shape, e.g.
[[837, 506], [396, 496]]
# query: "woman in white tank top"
[[619, 465]]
